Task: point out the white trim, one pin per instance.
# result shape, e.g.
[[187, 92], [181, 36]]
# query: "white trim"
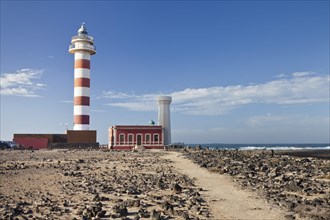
[[124, 142], [114, 137], [82, 73], [81, 91], [82, 55], [130, 135], [81, 110], [153, 140], [138, 127], [80, 127], [109, 136], [145, 138]]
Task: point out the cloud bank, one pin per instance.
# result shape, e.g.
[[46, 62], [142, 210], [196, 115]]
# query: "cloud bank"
[[297, 88], [21, 83]]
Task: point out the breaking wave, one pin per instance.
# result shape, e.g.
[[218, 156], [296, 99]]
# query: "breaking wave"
[[268, 146]]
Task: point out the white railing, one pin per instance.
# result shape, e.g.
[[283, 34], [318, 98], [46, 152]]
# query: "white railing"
[[86, 47], [85, 37]]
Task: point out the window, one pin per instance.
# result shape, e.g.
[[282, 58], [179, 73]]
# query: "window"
[[156, 138], [148, 138], [130, 139], [122, 139]]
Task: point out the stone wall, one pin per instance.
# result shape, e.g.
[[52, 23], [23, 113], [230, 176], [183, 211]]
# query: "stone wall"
[[73, 145]]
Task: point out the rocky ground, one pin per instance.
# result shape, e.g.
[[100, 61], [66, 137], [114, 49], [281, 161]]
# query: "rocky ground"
[[299, 184], [83, 184]]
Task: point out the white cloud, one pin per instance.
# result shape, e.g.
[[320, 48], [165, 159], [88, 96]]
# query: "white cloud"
[[132, 101], [17, 92], [300, 74], [282, 75], [21, 83], [299, 88], [67, 101], [97, 110], [116, 95], [265, 120], [136, 106]]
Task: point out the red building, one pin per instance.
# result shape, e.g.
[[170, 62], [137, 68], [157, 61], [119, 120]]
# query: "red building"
[[70, 139], [126, 137]]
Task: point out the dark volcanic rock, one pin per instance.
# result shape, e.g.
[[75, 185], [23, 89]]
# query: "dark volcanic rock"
[[155, 215], [91, 184], [285, 180], [120, 210], [177, 188]]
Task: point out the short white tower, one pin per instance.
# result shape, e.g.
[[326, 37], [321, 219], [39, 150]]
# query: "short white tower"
[[164, 118], [82, 46]]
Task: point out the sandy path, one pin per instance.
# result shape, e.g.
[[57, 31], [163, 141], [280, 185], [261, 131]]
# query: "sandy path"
[[226, 201]]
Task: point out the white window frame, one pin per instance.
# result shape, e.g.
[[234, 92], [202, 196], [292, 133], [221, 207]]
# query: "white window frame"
[[148, 142], [156, 142], [120, 142], [128, 141]]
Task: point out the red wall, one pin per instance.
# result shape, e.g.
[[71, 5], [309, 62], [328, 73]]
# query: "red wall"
[[87, 137], [32, 142], [124, 147], [135, 130]]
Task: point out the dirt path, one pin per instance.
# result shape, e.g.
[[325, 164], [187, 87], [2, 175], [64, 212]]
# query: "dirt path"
[[226, 201]]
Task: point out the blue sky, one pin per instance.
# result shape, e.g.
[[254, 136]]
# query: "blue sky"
[[238, 71]]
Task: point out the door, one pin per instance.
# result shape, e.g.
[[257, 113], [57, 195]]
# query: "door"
[[139, 139]]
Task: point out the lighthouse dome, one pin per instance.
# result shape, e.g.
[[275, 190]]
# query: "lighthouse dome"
[[82, 30]]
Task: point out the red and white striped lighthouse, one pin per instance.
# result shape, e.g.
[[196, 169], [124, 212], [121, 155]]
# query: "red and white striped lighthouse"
[[82, 46]]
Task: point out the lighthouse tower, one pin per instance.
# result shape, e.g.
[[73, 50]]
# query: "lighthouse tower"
[[82, 46], [164, 117]]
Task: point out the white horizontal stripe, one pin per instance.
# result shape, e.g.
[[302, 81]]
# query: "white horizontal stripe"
[[82, 55], [80, 127], [81, 91], [82, 73], [81, 110]]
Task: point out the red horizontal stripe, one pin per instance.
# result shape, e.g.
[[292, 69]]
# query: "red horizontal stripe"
[[81, 100], [82, 63], [81, 82], [81, 119]]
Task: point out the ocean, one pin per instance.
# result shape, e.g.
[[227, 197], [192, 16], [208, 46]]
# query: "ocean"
[[325, 146]]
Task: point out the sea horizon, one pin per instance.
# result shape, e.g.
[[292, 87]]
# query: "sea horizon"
[[274, 146]]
